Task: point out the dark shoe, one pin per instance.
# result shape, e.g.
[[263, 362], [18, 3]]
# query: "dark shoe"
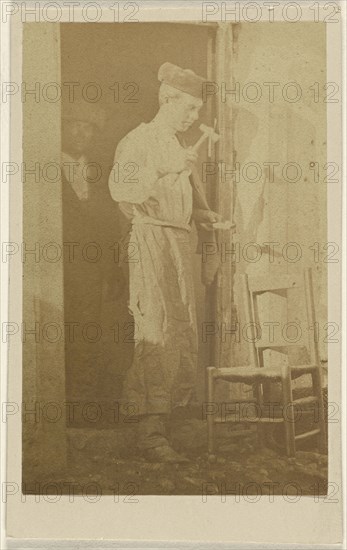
[[164, 454]]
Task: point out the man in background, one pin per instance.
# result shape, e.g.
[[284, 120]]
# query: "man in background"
[[90, 272]]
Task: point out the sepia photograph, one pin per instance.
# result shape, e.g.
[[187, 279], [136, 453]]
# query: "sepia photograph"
[[175, 332], [190, 294]]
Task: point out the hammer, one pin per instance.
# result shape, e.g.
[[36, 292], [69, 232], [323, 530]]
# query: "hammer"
[[207, 133]]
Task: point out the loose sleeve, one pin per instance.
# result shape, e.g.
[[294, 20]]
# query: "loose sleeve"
[[133, 173]]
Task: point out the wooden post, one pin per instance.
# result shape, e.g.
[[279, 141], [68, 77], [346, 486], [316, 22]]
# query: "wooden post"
[[44, 440], [224, 198]]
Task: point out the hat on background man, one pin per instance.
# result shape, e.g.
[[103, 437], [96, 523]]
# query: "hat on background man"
[[86, 112], [184, 80]]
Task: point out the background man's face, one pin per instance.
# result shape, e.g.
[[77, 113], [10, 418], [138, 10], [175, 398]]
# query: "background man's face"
[[185, 111], [77, 137]]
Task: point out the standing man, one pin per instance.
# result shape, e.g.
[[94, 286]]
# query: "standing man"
[[81, 124], [154, 190], [89, 218]]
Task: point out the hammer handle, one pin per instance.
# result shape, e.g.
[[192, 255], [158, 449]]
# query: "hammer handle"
[[199, 142]]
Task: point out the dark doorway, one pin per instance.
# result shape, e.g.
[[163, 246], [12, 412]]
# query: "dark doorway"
[[117, 65]]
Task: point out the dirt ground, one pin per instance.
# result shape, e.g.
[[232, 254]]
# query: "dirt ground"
[[106, 462]]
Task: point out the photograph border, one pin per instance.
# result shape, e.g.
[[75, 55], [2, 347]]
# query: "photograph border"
[[182, 518]]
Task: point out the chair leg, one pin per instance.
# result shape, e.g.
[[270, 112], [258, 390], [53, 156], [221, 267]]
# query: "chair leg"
[[288, 409], [317, 392], [210, 417], [260, 427]]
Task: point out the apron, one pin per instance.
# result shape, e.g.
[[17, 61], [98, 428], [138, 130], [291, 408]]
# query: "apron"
[[162, 303]]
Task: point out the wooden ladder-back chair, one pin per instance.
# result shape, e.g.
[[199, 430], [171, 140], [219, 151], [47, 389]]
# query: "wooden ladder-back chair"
[[261, 377]]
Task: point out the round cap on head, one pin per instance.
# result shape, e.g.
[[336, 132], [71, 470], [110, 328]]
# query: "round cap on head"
[[184, 80]]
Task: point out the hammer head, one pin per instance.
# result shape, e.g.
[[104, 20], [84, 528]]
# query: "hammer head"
[[210, 132]]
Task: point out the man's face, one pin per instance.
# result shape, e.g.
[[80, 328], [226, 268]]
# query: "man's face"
[[77, 137], [185, 111]]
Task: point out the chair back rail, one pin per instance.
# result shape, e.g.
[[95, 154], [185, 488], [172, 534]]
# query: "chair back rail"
[[249, 316], [253, 287], [277, 282]]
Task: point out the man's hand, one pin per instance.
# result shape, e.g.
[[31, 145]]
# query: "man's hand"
[[209, 220], [183, 160], [191, 158], [206, 216]]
